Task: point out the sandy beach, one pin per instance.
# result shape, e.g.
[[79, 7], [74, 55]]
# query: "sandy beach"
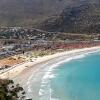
[[17, 69], [35, 71]]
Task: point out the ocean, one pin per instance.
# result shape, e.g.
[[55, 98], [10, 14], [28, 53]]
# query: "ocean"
[[78, 79], [70, 77]]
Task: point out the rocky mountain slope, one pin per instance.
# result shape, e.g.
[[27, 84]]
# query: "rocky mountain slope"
[[52, 15], [31, 12], [84, 18]]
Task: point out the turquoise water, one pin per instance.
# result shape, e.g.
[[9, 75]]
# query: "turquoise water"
[[78, 79]]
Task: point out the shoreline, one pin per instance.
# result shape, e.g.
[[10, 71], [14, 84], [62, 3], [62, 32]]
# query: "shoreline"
[[34, 77], [18, 69]]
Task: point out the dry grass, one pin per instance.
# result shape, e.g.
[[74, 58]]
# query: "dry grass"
[[10, 61]]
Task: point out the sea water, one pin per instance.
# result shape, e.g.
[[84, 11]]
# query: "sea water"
[[78, 79]]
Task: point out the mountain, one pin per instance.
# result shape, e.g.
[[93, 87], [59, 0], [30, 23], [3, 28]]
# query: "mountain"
[[83, 18], [31, 12], [52, 15]]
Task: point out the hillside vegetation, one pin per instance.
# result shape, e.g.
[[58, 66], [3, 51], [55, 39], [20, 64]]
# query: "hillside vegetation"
[[84, 18], [29, 12], [32, 12], [10, 91]]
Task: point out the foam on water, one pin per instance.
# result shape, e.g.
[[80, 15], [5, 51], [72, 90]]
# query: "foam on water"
[[45, 92], [45, 84]]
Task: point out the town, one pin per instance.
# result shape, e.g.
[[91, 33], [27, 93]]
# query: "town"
[[15, 40], [25, 41]]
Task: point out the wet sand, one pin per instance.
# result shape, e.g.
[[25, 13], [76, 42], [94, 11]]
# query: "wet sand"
[[31, 77]]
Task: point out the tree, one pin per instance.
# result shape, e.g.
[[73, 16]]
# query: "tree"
[[11, 91]]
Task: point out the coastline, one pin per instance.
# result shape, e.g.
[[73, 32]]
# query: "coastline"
[[35, 75], [18, 69]]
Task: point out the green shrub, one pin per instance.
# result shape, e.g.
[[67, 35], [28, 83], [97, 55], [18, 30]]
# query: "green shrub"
[[10, 91]]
